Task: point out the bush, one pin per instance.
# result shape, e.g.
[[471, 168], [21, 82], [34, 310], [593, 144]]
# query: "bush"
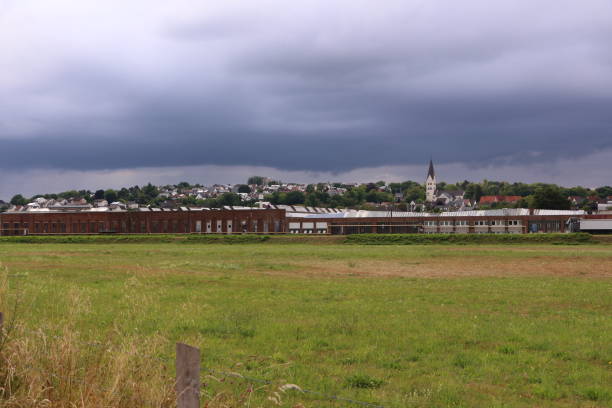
[[421, 239], [154, 238]]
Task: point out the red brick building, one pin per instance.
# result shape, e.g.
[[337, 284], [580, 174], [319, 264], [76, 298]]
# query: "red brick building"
[[285, 219], [143, 221]]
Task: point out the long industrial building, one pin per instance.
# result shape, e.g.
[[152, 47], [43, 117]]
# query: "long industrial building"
[[292, 220]]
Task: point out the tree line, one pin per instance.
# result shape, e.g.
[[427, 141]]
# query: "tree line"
[[535, 195]]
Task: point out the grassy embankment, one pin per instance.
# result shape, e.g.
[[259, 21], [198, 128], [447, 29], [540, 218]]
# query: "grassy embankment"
[[406, 326], [363, 239]]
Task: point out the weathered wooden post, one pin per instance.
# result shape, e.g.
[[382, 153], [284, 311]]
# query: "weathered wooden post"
[[187, 376]]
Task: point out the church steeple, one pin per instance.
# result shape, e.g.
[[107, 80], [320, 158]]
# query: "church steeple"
[[430, 184], [431, 172]]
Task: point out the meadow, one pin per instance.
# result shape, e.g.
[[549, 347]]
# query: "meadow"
[[518, 325]]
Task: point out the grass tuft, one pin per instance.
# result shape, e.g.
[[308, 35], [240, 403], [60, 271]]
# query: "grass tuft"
[[363, 381]]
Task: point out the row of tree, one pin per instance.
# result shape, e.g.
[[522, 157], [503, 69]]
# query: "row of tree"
[[536, 195]]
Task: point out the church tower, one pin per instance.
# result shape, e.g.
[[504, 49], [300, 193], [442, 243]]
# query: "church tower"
[[430, 184]]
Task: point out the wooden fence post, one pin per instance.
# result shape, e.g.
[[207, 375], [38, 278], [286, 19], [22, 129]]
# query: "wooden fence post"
[[187, 376]]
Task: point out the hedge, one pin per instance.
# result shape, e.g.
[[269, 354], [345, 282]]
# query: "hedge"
[[157, 238], [415, 239]]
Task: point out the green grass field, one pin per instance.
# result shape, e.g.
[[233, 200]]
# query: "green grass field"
[[399, 326]]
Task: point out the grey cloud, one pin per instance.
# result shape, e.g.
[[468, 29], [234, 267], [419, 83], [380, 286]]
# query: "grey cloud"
[[346, 91]]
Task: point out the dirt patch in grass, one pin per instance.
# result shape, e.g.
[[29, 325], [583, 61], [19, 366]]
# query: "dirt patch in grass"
[[456, 268], [604, 239], [419, 268], [449, 262]]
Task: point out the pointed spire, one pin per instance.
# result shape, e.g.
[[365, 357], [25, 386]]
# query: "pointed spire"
[[431, 169]]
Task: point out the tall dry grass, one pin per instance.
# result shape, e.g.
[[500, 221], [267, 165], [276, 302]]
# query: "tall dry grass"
[[56, 366]]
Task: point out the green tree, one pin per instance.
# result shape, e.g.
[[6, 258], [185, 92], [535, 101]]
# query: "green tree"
[[295, 197], [18, 199], [124, 194], [243, 188], [604, 191], [550, 197], [473, 192], [229, 199], [110, 195], [69, 194], [257, 180], [311, 201], [150, 192], [99, 195], [414, 193]]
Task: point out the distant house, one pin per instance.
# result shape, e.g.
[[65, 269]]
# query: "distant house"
[[490, 199], [449, 200], [100, 203], [597, 199], [117, 205], [576, 200]]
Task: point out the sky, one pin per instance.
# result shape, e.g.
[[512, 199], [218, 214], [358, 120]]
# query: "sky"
[[109, 94]]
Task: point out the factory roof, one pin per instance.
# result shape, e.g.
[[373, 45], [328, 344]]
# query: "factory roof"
[[505, 212]]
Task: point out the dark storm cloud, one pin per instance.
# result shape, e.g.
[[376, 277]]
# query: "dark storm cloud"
[[314, 89]]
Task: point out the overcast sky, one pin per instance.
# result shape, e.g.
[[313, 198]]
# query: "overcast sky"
[[98, 94]]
